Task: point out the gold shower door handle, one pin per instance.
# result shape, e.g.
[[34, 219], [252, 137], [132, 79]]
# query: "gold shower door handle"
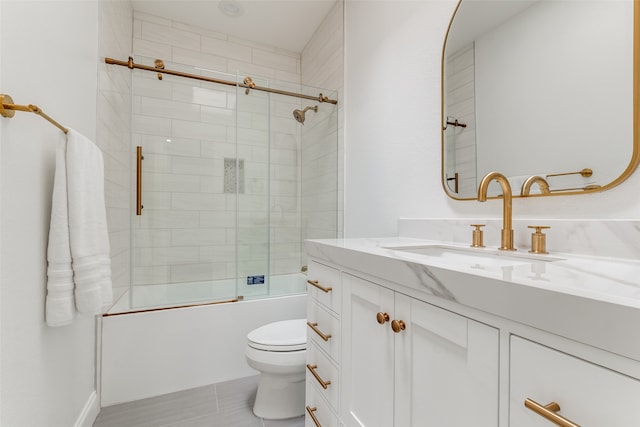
[[550, 412], [317, 285], [322, 335], [323, 383], [139, 158], [311, 411]]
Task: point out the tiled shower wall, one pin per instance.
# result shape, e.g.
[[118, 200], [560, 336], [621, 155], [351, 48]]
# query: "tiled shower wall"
[[460, 143], [321, 164], [188, 229], [113, 131]]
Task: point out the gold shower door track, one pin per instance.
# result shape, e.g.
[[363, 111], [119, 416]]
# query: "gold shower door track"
[[248, 83]]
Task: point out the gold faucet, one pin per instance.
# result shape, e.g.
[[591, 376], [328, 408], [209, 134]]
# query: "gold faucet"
[[542, 183], [507, 230]]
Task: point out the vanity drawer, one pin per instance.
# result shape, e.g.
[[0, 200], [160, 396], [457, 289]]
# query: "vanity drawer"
[[587, 394], [324, 285], [322, 374], [323, 329], [316, 405]]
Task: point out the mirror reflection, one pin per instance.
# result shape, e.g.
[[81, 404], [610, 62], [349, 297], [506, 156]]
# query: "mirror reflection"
[[539, 88]]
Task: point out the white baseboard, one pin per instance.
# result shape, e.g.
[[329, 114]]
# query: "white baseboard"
[[89, 412]]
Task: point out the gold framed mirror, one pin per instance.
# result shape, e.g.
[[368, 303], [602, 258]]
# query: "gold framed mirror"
[[540, 88]]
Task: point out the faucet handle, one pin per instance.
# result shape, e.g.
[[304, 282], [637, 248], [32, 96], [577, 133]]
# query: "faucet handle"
[[539, 240], [477, 236]]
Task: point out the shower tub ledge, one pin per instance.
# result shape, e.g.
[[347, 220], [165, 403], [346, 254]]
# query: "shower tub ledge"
[[152, 353]]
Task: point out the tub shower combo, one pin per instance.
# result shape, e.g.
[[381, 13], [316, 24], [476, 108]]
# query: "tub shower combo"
[[227, 184], [230, 174]]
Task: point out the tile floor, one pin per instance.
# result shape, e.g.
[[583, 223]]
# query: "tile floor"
[[225, 404]]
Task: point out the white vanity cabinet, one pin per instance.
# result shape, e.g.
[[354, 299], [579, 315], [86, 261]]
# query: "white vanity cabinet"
[[432, 347], [323, 345], [408, 363], [585, 393]]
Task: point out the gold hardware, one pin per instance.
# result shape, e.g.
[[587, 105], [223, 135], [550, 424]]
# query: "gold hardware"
[[507, 231], [132, 65], [585, 173], [382, 318], [542, 183], [311, 411], [323, 383], [322, 98], [159, 63], [539, 240], [456, 179], [455, 123], [139, 158], [317, 285], [173, 307], [398, 325], [477, 236], [318, 331], [8, 113], [8, 110], [249, 84], [304, 269], [549, 412]]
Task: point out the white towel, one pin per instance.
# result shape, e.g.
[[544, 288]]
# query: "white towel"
[[87, 239], [59, 302]]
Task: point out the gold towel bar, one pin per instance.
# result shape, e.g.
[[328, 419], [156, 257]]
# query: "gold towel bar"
[[586, 172], [8, 109]]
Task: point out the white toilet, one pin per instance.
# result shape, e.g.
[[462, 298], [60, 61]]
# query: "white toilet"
[[279, 351]]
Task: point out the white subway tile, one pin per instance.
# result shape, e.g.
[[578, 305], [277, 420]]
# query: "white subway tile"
[[198, 272], [171, 182], [167, 255], [150, 49], [227, 49], [151, 125], [195, 130], [198, 236], [168, 219], [196, 166], [170, 36], [169, 109], [199, 202]]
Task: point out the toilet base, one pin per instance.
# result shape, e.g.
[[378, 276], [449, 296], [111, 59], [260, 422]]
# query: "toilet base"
[[279, 398]]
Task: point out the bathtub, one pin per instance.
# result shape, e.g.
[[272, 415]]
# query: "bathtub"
[[148, 349]]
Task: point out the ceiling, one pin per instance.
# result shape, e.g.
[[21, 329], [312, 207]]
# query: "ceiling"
[[287, 24]]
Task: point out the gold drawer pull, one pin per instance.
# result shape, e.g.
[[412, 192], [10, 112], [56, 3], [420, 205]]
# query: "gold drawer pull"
[[318, 331], [311, 411], [317, 285], [398, 325], [312, 369], [382, 318], [549, 412]]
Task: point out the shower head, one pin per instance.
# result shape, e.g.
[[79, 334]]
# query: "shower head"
[[299, 114]]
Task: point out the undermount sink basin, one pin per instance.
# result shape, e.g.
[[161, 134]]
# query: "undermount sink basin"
[[475, 257]]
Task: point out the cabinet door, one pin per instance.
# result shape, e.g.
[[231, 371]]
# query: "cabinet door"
[[447, 372], [367, 363], [587, 394]]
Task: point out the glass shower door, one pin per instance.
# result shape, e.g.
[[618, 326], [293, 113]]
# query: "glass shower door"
[[252, 185], [183, 243]]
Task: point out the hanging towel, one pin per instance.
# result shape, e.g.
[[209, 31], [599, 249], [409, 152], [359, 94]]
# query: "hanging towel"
[[81, 195], [59, 301]]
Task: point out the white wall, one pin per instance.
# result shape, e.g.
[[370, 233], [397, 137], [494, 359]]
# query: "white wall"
[[392, 92], [48, 58]]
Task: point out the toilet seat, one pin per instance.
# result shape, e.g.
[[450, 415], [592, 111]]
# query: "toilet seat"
[[287, 335]]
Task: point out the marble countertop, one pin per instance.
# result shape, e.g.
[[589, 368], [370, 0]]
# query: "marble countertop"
[[594, 300]]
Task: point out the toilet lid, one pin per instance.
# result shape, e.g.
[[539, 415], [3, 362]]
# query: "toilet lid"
[[288, 335]]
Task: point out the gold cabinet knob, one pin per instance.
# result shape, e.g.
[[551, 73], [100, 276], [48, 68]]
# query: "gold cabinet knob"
[[398, 326], [382, 318]]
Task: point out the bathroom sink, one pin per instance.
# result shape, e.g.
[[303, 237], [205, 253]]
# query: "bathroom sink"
[[474, 257]]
